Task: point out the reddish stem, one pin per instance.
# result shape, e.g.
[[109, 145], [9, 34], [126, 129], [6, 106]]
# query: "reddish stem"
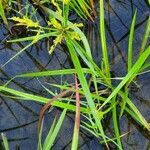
[[77, 116], [48, 105]]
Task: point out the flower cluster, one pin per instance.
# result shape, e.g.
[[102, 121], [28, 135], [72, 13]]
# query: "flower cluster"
[[25, 21], [65, 32]]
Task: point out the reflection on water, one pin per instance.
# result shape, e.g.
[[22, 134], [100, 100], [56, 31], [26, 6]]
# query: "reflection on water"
[[19, 119]]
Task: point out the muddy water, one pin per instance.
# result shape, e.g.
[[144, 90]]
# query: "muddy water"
[[19, 119]]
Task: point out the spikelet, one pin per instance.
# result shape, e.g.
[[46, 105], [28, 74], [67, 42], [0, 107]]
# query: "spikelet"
[[55, 23], [74, 25], [66, 2], [36, 37], [56, 41], [25, 21], [59, 11], [74, 36]]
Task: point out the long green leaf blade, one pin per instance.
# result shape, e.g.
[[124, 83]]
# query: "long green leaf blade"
[[130, 48], [52, 135]]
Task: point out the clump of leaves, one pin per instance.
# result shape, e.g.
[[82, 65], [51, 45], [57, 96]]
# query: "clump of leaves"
[[96, 107]]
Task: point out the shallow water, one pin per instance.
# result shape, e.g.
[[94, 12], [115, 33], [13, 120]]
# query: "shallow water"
[[19, 119]]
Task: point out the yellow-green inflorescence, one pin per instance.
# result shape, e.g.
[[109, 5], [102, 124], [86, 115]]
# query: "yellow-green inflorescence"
[[25, 21], [65, 32], [66, 1]]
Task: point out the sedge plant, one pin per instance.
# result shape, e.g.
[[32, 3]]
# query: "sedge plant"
[[94, 107]]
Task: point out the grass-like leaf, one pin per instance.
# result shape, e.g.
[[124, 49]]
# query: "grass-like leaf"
[[146, 36], [130, 48], [51, 136], [29, 97], [131, 74], [103, 39], [5, 142], [85, 87], [2, 13]]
